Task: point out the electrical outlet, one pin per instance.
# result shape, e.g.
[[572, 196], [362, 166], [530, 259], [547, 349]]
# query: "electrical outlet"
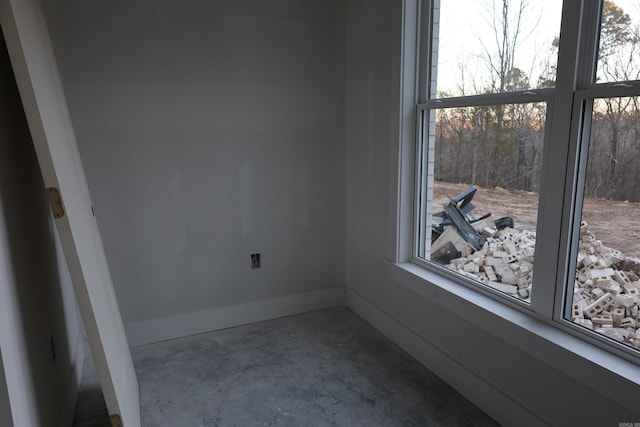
[[255, 260]]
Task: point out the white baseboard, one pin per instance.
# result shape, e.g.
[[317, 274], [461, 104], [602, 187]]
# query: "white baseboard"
[[68, 408], [492, 401], [166, 328]]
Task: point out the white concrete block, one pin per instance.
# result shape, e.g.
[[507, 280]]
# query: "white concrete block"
[[582, 304], [603, 282], [491, 275], [602, 319], [618, 314], [494, 261], [588, 260], [506, 275], [580, 259], [599, 273], [524, 282], [625, 300], [613, 256], [500, 254], [489, 232], [502, 287], [471, 268], [598, 306], [510, 248], [621, 277], [628, 322], [584, 322]]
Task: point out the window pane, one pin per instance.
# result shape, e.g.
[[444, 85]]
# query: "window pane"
[[607, 288], [486, 46], [619, 46], [488, 156]]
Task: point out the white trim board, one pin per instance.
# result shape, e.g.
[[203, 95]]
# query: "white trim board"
[[166, 328], [495, 403], [34, 64]]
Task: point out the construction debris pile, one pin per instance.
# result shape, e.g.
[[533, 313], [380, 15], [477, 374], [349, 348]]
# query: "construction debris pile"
[[606, 294], [504, 263]]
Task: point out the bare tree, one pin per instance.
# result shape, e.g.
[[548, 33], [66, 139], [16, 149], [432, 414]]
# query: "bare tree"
[[511, 22], [618, 60]]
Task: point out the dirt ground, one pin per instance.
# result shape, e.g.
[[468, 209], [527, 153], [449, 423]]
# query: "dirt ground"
[[616, 224]]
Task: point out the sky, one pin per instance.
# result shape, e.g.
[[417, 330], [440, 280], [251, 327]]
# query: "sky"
[[463, 23]]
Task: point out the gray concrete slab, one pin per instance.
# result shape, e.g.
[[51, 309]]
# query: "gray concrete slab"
[[323, 368]]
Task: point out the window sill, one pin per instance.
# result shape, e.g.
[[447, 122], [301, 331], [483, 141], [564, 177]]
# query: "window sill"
[[543, 340]]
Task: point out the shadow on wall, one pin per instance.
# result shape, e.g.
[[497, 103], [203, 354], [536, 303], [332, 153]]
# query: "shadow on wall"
[[32, 256], [5, 408]]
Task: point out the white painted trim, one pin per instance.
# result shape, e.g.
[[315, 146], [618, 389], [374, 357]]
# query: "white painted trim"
[[403, 127], [166, 328], [495, 403], [578, 359], [34, 64], [68, 408]]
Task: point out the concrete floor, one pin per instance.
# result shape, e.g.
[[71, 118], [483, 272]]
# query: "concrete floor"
[[324, 368]]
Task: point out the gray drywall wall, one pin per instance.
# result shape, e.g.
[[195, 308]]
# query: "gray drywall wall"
[[543, 379], [209, 130], [39, 330]]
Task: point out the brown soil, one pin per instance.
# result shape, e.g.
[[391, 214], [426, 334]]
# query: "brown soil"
[[616, 224]]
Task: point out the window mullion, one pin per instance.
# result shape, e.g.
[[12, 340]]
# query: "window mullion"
[[556, 170], [520, 97], [428, 29], [580, 122]]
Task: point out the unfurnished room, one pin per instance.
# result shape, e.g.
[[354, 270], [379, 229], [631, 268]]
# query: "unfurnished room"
[[314, 213]]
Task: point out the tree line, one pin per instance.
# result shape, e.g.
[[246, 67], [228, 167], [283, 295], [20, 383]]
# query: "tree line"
[[501, 145]]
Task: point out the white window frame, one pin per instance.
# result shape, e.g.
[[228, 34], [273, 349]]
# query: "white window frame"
[[559, 206]]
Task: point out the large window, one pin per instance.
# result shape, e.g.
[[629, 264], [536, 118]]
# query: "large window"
[[528, 184]]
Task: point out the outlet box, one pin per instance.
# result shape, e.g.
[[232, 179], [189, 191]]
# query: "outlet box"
[[255, 260]]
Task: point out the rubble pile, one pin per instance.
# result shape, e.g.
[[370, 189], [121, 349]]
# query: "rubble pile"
[[606, 295], [504, 263]]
